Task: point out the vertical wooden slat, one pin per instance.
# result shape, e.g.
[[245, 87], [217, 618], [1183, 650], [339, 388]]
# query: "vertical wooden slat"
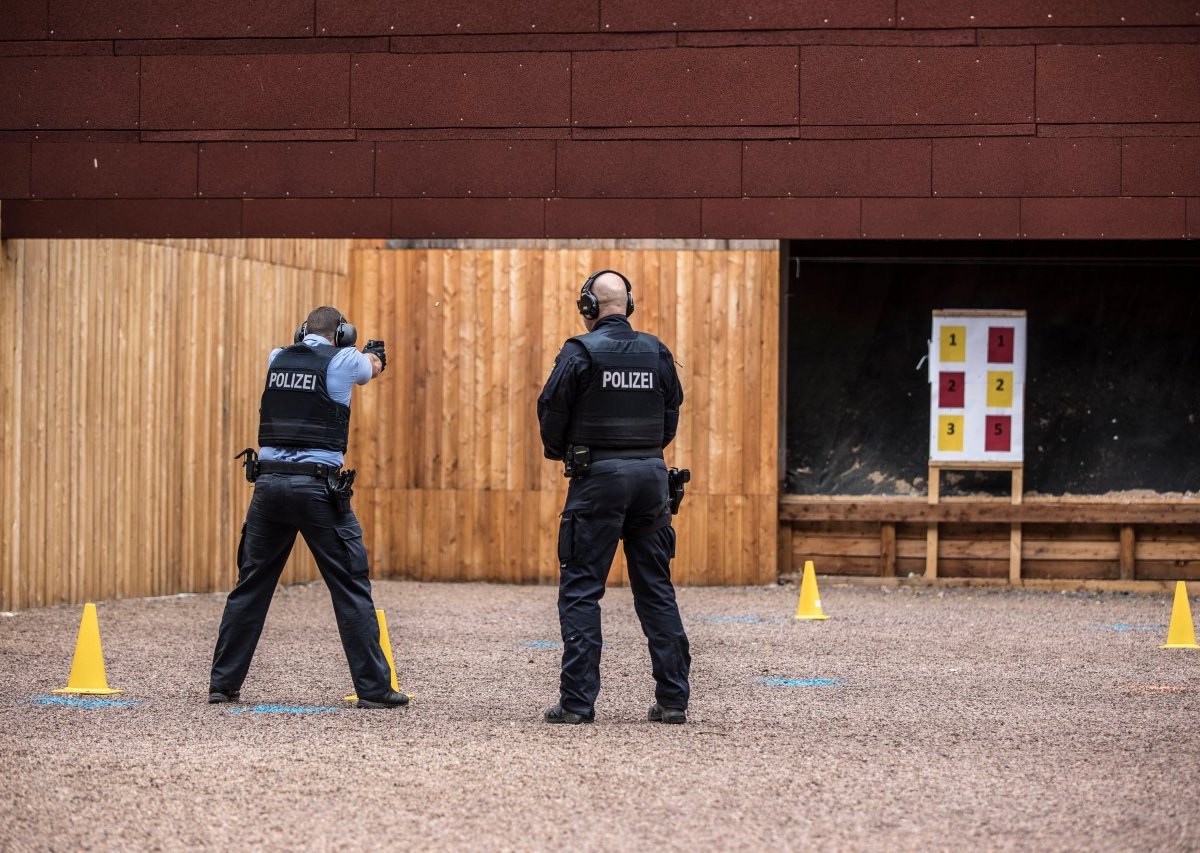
[[1015, 535], [887, 549], [931, 528], [1128, 546]]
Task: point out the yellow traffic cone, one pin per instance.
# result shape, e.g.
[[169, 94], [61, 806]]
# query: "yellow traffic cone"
[[809, 606], [386, 642], [1181, 634], [87, 668]]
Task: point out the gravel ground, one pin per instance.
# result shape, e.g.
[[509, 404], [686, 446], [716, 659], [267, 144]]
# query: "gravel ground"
[[913, 719]]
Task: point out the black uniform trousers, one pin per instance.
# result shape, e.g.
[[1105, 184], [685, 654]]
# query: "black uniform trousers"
[[284, 504], [619, 498]]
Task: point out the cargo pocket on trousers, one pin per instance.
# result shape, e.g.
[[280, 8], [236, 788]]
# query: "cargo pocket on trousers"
[[671, 535], [351, 536], [566, 539]]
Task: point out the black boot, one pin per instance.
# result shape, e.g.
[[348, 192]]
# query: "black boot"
[[217, 696], [558, 714], [659, 714], [391, 699]]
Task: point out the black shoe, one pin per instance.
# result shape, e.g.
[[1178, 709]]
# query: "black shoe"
[[558, 714], [391, 699], [659, 714], [220, 697]]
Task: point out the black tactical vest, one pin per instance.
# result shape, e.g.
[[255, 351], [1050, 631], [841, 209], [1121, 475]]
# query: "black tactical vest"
[[296, 409], [622, 401]]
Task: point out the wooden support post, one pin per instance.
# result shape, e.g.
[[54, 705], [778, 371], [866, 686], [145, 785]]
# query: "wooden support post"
[[887, 549], [1128, 541], [931, 527], [784, 546], [1014, 530]]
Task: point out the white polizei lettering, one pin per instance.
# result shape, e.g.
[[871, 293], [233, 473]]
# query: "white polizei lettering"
[[292, 381], [628, 380]]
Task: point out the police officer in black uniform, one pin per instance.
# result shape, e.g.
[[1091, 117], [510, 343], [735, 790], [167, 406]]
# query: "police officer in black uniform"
[[304, 425], [609, 408]]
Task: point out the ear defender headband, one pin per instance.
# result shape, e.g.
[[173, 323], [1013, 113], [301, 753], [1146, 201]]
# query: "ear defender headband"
[[344, 335], [589, 305]]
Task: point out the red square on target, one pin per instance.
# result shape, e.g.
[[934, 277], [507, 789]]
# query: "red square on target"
[[950, 390], [999, 433], [1000, 344]]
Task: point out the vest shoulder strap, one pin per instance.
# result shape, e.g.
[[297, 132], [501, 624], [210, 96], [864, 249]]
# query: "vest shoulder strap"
[[600, 342], [323, 352]]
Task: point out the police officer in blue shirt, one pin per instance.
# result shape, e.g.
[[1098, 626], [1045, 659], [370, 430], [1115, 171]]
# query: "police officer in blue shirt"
[[609, 408], [304, 426]]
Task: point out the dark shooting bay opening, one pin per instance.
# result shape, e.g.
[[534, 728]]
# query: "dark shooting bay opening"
[[1112, 397]]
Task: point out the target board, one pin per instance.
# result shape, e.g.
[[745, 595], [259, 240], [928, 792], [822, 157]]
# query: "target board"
[[977, 387]]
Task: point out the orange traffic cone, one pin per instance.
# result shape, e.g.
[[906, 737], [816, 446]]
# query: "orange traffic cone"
[[809, 606], [87, 668], [1182, 633]]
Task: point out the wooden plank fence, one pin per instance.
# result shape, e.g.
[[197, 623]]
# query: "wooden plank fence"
[[452, 464], [135, 369], [131, 381]]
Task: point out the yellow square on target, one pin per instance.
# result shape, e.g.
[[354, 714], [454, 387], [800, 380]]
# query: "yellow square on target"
[[950, 433], [999, 389], [954, 343]]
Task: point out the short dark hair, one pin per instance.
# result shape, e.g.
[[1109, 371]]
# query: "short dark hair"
[[324, 321]]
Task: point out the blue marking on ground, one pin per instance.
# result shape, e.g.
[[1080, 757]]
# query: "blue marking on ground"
[[541, 644], [801, 682], [282, 709], [89, 704], [752, 619], [1121, 626]]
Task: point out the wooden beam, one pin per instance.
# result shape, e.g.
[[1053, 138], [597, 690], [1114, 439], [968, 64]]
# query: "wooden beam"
[[784, 549], [1141, 586], [1030, 511]]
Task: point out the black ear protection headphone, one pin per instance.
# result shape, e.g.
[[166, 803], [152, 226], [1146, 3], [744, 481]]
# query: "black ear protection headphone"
[[343, 336], [589, 305]]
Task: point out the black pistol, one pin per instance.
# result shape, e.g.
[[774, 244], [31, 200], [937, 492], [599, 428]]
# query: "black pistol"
[[676, 479], [376, 348]]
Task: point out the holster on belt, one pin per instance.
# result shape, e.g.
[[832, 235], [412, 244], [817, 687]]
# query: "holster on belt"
[[576, 461], [249, 458], [677, 478], [341, 489]]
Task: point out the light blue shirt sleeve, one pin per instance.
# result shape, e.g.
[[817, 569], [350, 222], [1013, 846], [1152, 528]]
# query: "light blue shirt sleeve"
[[347, 368]]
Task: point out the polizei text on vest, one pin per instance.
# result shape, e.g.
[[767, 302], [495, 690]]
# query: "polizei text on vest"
[[627, 380], [292, 381]]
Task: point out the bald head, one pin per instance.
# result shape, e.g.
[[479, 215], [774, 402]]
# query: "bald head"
[[609, 291]]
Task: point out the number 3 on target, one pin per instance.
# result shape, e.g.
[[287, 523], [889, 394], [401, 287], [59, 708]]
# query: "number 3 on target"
[[950, 433]]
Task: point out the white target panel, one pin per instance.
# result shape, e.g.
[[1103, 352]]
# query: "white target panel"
[[977, 386]]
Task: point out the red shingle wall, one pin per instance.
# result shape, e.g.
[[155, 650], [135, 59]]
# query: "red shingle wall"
[[600, 118]]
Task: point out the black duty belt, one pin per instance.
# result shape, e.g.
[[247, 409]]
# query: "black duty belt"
[[312, 469], [599, 454]]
